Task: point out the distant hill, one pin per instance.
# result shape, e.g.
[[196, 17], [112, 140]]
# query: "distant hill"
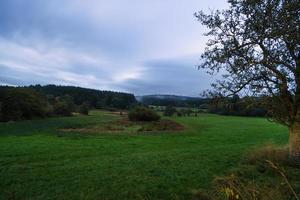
[[95, 98], [175, 100], [166, 96]]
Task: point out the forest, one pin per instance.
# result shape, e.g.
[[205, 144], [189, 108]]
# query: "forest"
[[36, 101]]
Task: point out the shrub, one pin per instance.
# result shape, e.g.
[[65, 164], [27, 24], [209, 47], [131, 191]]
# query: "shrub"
[[69, 101], [84, 109], [62, 108], [141, 113]]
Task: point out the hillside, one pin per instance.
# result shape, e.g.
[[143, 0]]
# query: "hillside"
[[95, 98]]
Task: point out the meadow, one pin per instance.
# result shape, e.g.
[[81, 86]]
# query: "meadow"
[[40, 160]]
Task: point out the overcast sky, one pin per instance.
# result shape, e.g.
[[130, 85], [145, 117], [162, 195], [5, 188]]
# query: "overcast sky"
[[137, 46]]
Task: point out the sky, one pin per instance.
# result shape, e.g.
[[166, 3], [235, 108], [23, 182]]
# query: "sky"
[[137, 46]]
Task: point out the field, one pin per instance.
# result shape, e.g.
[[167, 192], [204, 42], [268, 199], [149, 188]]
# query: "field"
[[39, 159]]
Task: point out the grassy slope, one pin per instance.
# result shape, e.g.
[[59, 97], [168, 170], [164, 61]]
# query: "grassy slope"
[[37, 161]]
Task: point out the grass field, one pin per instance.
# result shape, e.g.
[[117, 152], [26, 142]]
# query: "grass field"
[[40, 161]]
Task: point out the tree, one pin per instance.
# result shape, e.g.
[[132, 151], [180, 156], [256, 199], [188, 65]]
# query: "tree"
[[62, 108], [22, 103], [257, 44], [84, 108], [68, 100]]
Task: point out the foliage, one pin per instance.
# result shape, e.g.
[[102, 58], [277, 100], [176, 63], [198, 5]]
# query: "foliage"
[[264, 174], [275, 183], [19, 103], [62, 108], [257, 45], [140, 113], [247, 106], [84, 109], [22, 104], [169, 111], [170, 100], [95, 98]]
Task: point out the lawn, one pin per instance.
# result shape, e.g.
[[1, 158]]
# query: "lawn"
[[40, 161]]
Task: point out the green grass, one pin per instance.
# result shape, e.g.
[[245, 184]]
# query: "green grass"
[[38, 161]]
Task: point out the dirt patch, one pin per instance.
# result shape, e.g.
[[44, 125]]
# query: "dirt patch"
[[94, 129], [125, 126], [123, 122], [120, 113], [162, 125]]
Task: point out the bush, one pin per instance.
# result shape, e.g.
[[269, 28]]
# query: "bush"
[[61, 108], [84, 109], [143, 114]]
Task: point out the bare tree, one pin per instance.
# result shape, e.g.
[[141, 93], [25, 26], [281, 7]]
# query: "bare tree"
[[256, 45]]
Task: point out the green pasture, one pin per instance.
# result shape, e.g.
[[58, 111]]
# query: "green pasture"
[[38, 160]]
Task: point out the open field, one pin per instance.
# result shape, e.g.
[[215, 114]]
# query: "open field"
[[39, 160]]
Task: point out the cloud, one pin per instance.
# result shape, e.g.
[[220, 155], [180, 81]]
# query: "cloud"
[[129, 45], [60, 66], [178, 75]]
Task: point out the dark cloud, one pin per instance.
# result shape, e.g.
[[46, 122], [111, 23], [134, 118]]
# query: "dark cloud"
[[128, 45], [172, 76]]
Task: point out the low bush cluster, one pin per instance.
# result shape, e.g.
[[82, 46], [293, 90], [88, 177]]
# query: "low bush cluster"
[[84, 109], [141, 113]]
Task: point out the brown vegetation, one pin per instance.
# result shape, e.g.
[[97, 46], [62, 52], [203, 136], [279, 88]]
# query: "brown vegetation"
[[124, 125], [276, 178]]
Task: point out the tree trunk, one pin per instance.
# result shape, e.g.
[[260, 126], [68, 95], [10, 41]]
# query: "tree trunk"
[[295, 143]]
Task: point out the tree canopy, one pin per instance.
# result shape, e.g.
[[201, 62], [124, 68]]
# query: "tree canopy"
[[257, 42], [256, 45], [19, 103]]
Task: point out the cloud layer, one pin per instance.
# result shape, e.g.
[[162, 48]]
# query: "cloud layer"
[[143, 47]]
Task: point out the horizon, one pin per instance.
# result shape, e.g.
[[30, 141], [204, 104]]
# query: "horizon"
[[120, 46], [142, 95]]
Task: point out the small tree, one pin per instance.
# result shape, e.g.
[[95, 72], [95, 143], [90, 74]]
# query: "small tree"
[[258, 44], [84, 108], [62, 108], [69, 101]]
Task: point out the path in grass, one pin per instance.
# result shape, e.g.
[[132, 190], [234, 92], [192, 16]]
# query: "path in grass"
[[39, 162]]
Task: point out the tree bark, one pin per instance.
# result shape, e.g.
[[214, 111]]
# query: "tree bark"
[[294, 142]]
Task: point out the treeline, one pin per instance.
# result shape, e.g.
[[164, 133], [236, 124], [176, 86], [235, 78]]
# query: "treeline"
[[246, 106], [174, 101], [96, 98], [19, 103]]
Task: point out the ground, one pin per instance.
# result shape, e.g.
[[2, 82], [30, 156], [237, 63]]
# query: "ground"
[[40, 160]]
